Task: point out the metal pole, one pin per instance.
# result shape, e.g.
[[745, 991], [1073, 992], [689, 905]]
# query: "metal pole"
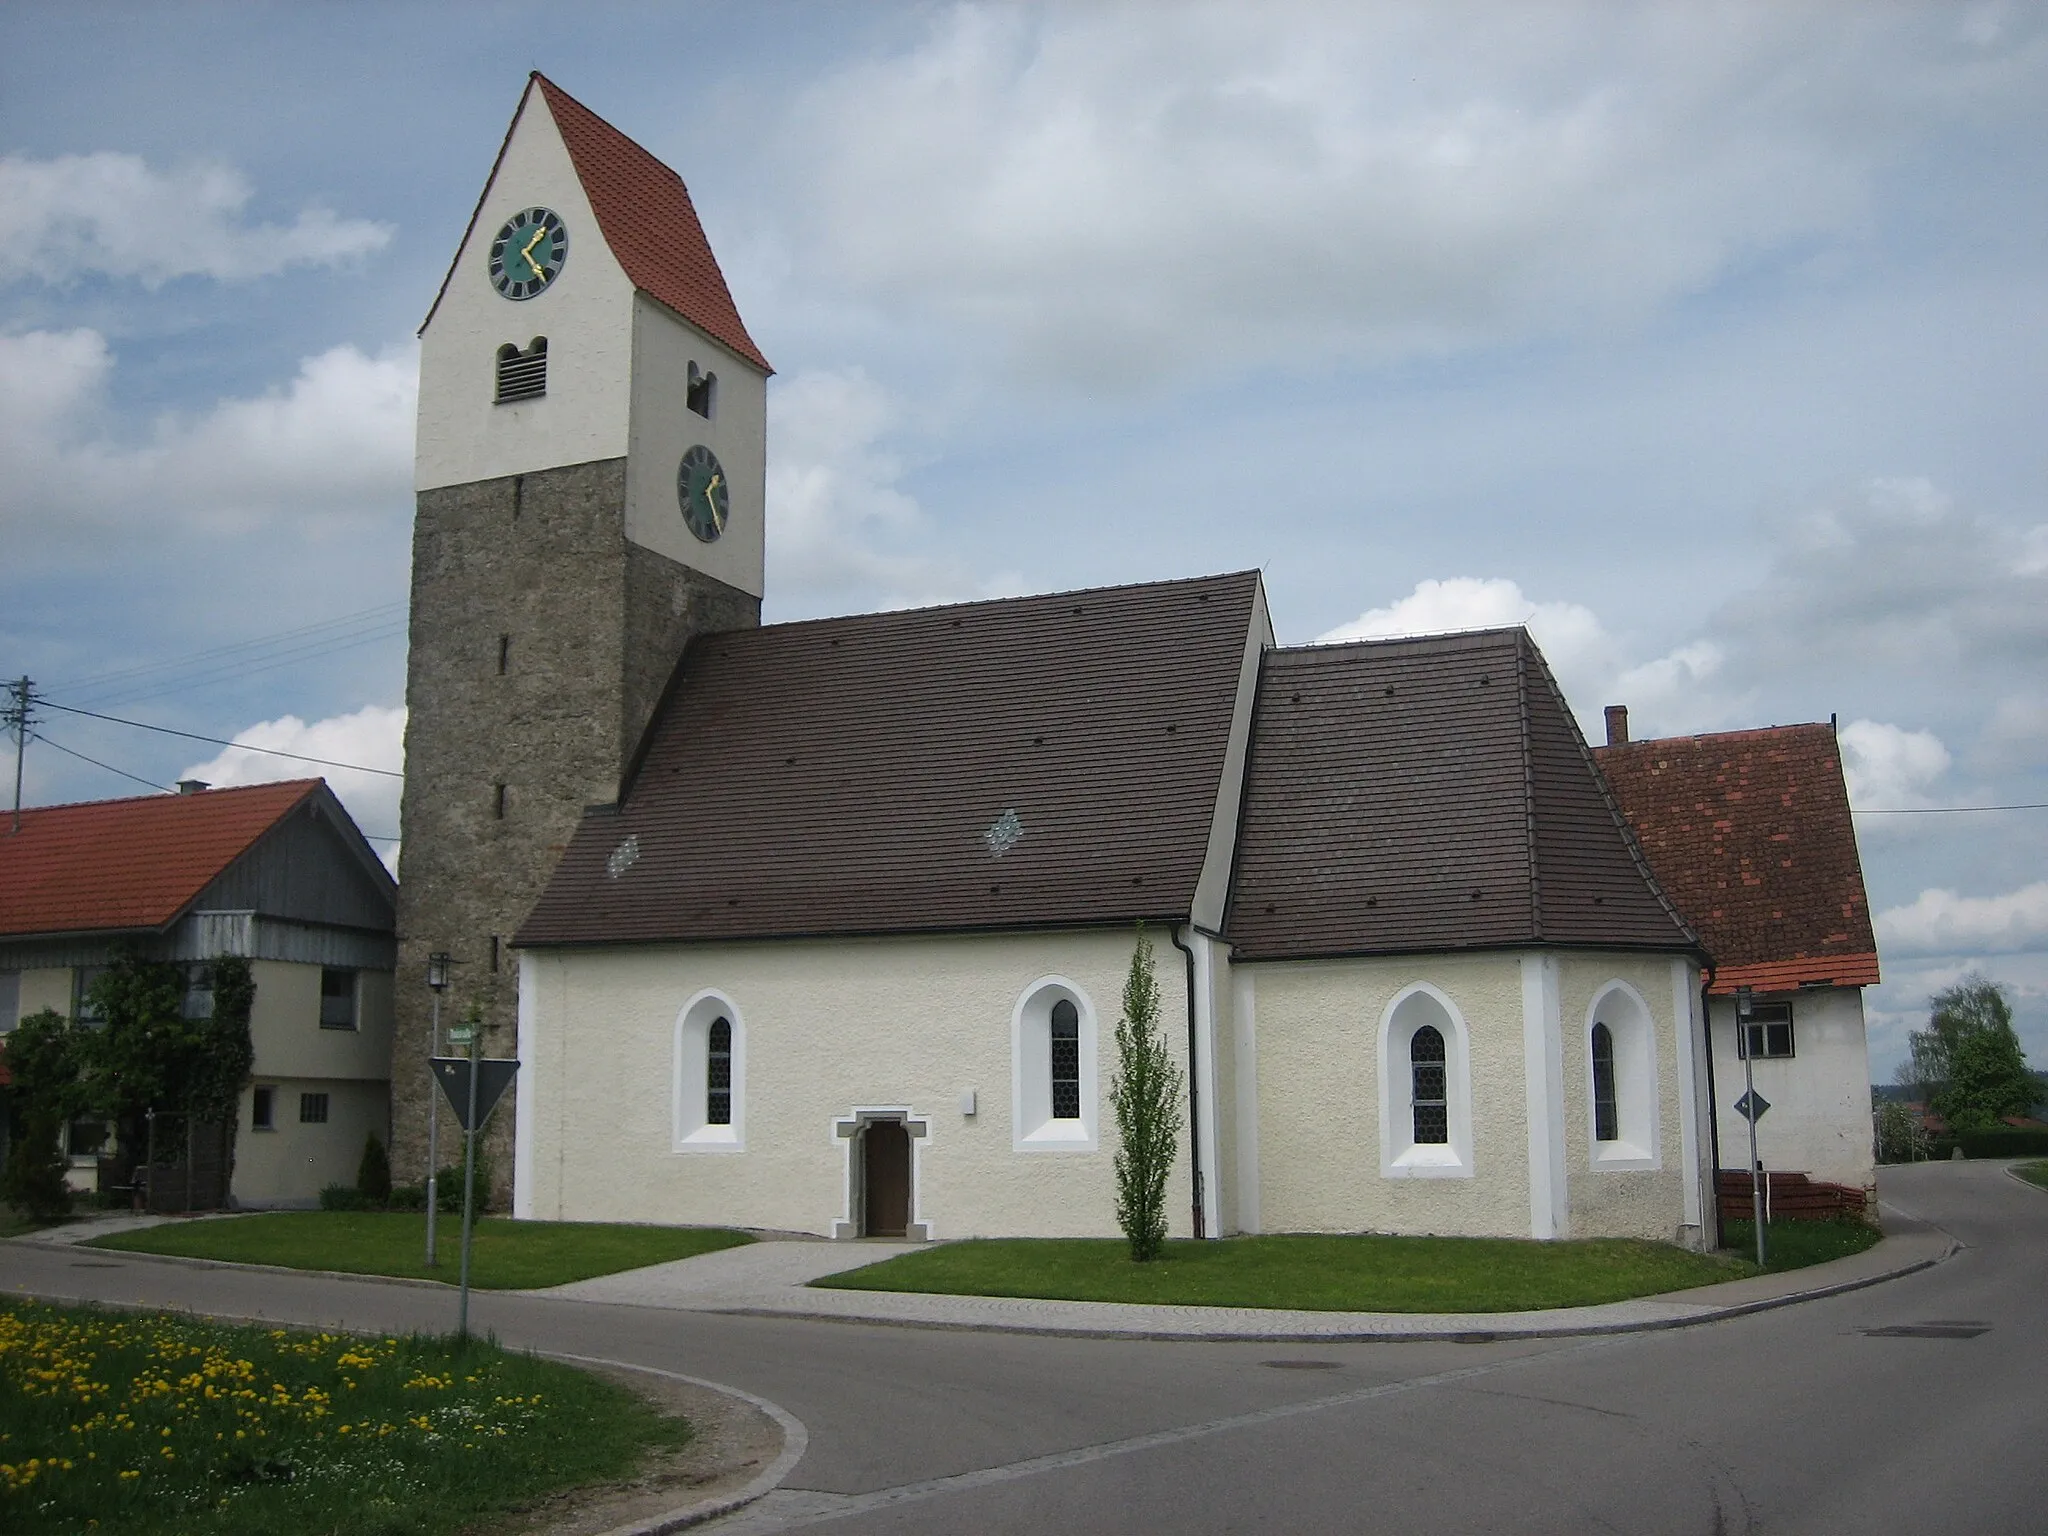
[[1756, 1188], [20, 714], [476, 1036], [433, 1133]]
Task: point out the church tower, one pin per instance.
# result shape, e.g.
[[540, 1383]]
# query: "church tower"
[[589, 475]]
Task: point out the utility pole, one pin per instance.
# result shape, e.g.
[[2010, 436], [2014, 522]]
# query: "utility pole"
[[19, 719]]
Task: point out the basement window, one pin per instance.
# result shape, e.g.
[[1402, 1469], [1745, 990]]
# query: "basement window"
[[523, 375]]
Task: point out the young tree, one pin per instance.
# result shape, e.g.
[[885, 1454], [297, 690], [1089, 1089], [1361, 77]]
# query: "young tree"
[[43, 1060], [1969, 1039], [1145, 1095]]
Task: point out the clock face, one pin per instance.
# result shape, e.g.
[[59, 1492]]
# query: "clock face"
[[702, 494], [528, 253]]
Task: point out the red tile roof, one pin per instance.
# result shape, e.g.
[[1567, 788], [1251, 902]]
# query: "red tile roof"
[[647, 218], [124, 865], [644, 213], [1750, 832]]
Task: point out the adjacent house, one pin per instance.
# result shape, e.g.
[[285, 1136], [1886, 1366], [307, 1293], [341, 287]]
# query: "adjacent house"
[[1750, 832], [276, 873]]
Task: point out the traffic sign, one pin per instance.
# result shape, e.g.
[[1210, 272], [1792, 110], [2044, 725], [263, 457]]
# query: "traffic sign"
[[1751, 1106], [494, 1076]]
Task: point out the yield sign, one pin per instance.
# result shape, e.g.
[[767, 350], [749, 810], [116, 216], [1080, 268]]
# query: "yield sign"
[[1751, 1106], [493, 1078]]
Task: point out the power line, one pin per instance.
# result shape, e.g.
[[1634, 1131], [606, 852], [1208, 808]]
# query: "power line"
[[123, 772], [218, 741], [1947, 810], [381, 616]]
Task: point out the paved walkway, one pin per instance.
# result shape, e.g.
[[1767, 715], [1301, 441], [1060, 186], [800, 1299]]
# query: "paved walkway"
[[772, 1279]]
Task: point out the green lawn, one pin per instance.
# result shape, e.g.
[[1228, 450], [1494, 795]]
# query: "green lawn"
[[2034, 1173], [1320, 1274], [1796, 1244], [506, 1255], [158, 1424]]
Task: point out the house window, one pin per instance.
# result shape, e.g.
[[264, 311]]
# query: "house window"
[[718, 1074], [337, 998], [1606, 1113], [1066, 1060], [10, 1000], [523, 375], [1768, 1033], [1431, 1101], [263, 1109], [701, 394], [198, 1000], [708, 1087], [312, 1109], [1425, 1084], [85, 1137], [1053, 1069], [83, 1009]]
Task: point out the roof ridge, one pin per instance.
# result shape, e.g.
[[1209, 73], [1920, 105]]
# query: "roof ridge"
[[165, 794], [784, 625], [1746, 733], [1490, 632]]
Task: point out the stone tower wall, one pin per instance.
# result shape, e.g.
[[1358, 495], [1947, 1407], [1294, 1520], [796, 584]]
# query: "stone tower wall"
[[541, 640]]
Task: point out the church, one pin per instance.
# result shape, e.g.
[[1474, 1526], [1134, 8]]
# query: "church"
[[823, 926]]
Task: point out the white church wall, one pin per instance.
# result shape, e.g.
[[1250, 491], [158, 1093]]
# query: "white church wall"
[[1819, 1119], [1637, 1188], [831, 1027], [664, 428], [1317, 1025], [586, 313]]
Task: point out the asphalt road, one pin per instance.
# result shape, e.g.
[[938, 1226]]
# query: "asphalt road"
[[1795, 1420]]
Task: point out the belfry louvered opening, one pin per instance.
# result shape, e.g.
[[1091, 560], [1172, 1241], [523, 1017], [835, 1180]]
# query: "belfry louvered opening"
[[523, 375]]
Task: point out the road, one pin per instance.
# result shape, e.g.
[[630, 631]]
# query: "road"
[[1795, 1420]]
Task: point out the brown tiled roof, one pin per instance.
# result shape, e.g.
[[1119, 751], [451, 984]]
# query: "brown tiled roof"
[[129, 865], [1750, 832], [858, 775], [646, 216], [1430, 794]]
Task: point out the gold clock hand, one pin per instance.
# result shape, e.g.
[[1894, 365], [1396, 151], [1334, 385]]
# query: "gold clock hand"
[[527, 252]]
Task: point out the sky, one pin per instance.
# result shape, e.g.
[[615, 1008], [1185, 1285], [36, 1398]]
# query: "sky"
[[1711, 341]]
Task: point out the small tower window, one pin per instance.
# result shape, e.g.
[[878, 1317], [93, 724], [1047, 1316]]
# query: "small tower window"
[[702, 393], [523, 375], [504, 654]]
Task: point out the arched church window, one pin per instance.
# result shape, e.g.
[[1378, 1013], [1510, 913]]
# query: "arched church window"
[[1606, 1108], [523, 375], [718, 1073], [701, 393], [1066, 1060], [1431, 1102]]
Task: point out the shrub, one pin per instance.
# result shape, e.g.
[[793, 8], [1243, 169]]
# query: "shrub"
[[1145, 1095], [2003, 1141], [407, 1197], [33, 1181], [373, 1173], [343, 1197]]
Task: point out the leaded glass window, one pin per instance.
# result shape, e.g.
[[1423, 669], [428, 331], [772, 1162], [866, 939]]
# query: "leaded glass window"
[[1606, 1113], [1432, 1108], [718, 1074], [1066, 1061]]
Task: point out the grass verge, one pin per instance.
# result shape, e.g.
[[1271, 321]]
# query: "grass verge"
[[1796, 1244], [1317, 1274], [505, 1255], [2034, 1173], [147, 1424]]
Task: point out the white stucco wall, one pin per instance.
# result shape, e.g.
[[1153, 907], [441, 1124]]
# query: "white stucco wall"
[[284, 1025], [586, 315], [664, 428], [1819, 1119], [1318, 1094], [291, 1163], [830, 1027]]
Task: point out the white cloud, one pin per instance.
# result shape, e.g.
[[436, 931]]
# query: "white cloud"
[[840, 531], [1941, 922], [1120, 191], [372, 736], [1890, 767], [323, 449], [115, 215]]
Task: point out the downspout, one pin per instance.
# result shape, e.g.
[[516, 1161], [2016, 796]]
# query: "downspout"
[[1194, 1086], [1713, 1099]]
